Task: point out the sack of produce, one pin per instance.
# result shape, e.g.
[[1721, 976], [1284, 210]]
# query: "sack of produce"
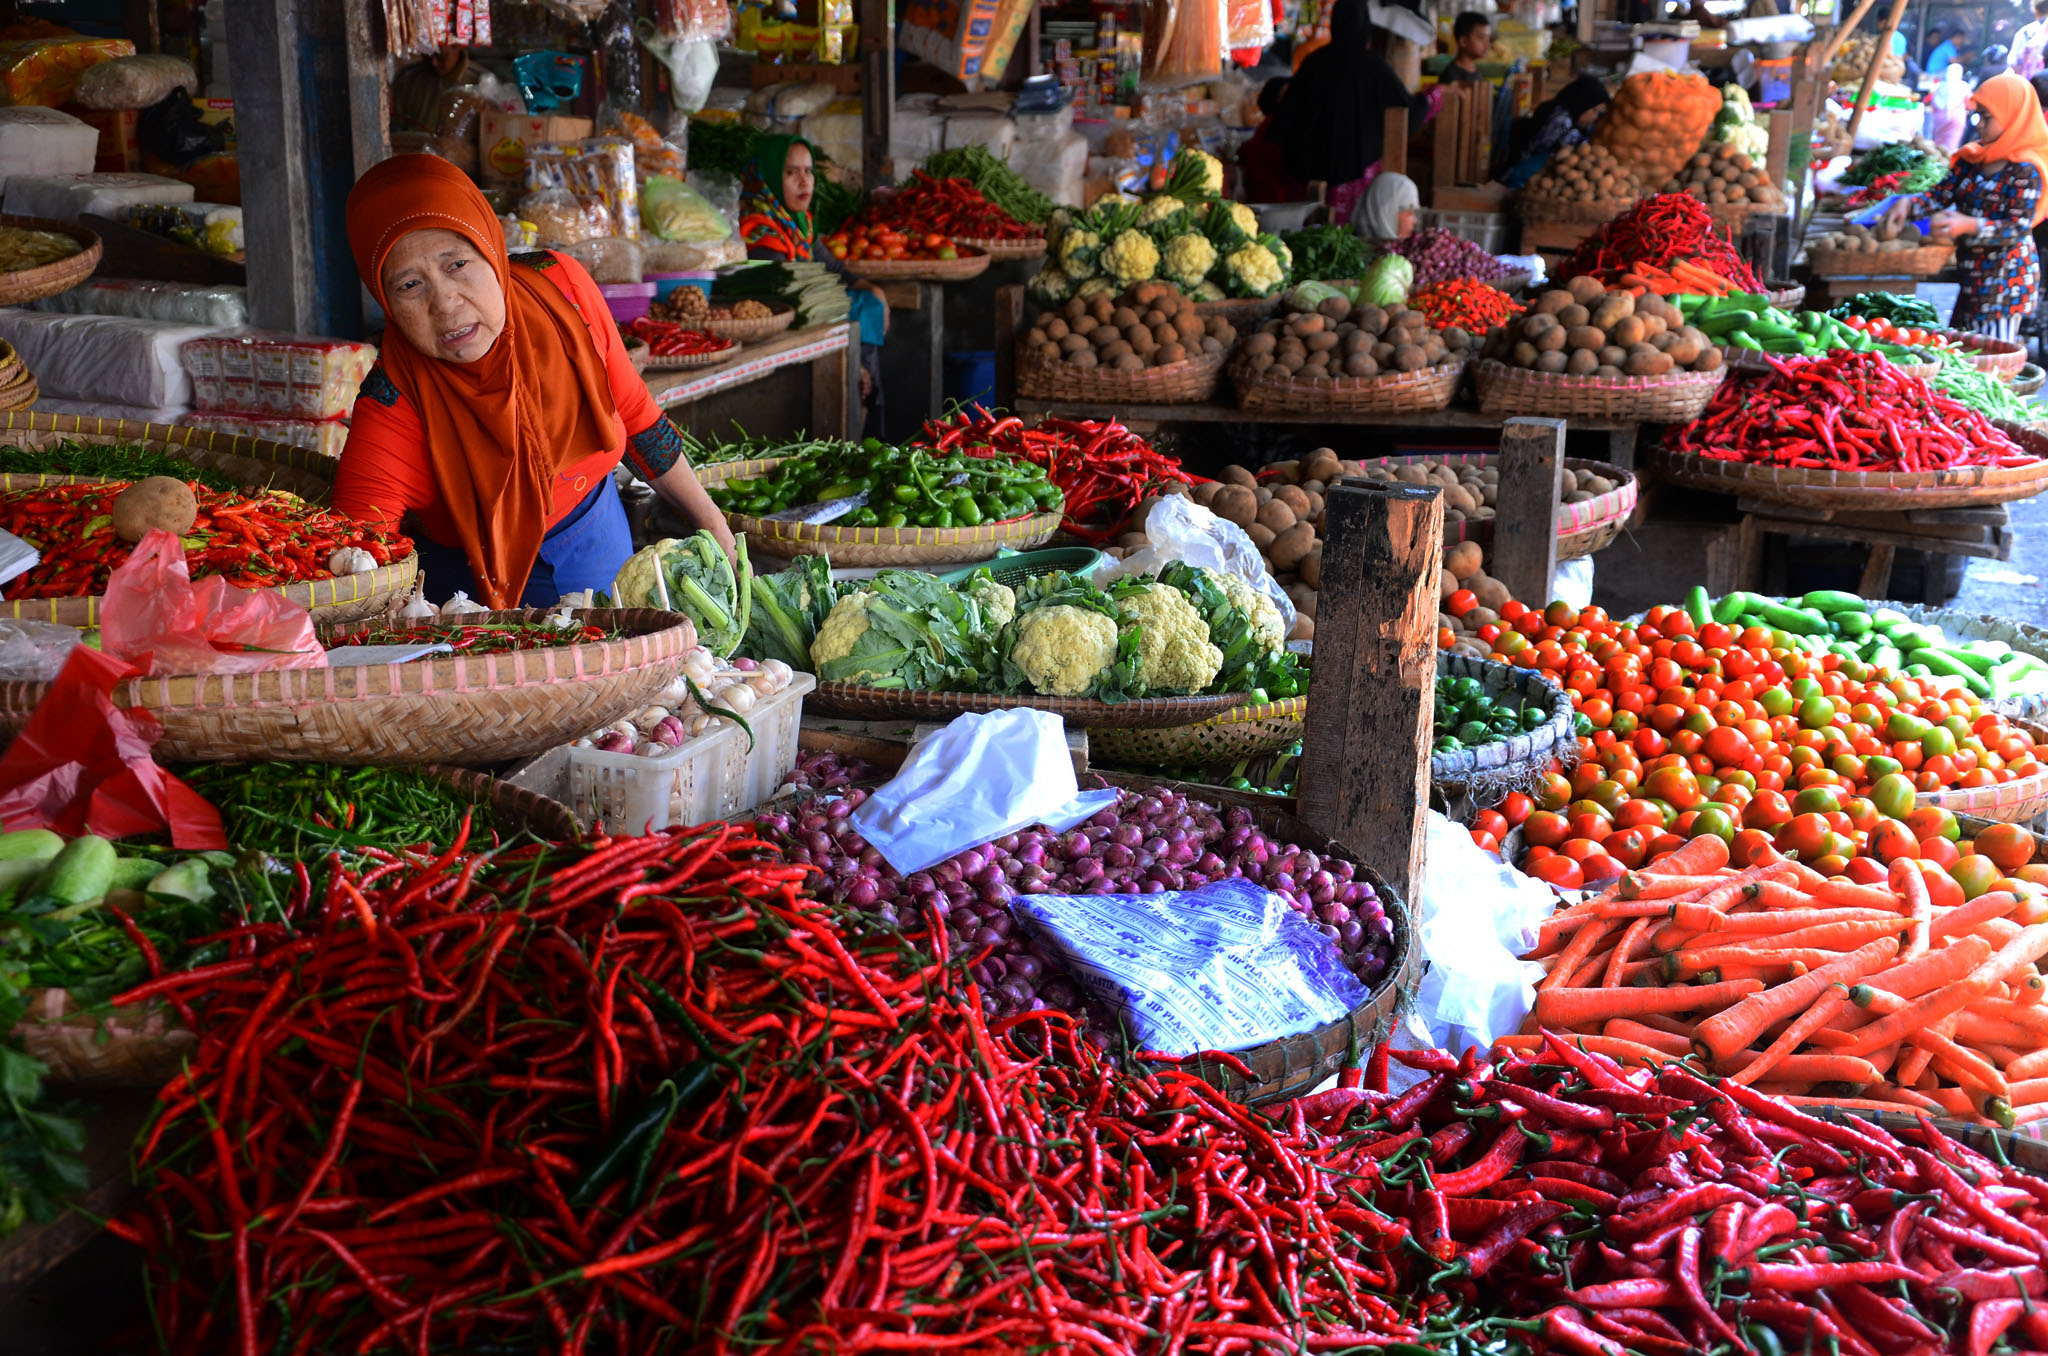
[[1656, 121], [135, 82], [675, 211]]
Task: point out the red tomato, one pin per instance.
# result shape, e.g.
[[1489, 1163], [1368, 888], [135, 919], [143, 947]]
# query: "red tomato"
[[1490, 821], [1515, 808], [1561, 872], [1892, 841], [2009, 845], [1865, 871], [1545, 829], [1939, 851], [1599, 870]]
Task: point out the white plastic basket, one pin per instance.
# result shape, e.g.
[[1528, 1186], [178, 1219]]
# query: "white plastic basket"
[[1488, 230], [777, 723]]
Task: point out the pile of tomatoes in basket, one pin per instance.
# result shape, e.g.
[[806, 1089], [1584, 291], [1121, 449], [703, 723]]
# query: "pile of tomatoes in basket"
[[862, 241], [1713, 729]]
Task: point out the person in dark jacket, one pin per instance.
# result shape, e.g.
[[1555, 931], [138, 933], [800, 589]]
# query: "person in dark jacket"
[[1557, 123], [1333, 120], [1472, 39]]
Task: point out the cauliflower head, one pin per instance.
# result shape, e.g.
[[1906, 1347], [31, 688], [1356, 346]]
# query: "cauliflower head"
[[1095, 287], [1078, 252], [998, 601], [1277, 247], [1265, 618], [1174, 653], [1159, 209], [1206, 291], [1211, 167], [1131, 258], [1252, 271], [1243, 218], [1187, 260], [1050, 286], [1062, 650], [844, 625]]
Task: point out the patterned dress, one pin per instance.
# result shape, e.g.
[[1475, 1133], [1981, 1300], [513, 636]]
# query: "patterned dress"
[[2000, 266]]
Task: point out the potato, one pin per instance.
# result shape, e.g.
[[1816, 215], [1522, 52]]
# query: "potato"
[[1412, 473], [1490, 592], [1585, 337], [1628, 331], [1477, 616], [156, 501], [1550, 303], [1264, 494], [1235, 503], [1409, 358], [1324, 465], [1582, 362], [1261, 535], [1464, 559], [1238, 475], [1586, 290], [1205, 492], [1459, 498], [1291, 545], [1446, 585], [1311, 567], [1133, 541], [1294, 497], [1130, 362]]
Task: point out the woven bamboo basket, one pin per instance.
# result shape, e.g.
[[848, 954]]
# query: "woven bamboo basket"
[[2028, 380], [1965, 626], [1420, 392], [1239, 733], [690, 362], [25, 285], [20, 394], [2019, 801], [469, 710], [1924, 262], [1296, 1064], [1007, 251], [753, 330], [1519, 759], [1868, 490], [1541, 211], [855, 701], [1730, 216], [1243, 313], [1582, 528], [1987, 354], [971, 264], [1785, 296], [1749, 361], [1189, 382], [1675, 399]]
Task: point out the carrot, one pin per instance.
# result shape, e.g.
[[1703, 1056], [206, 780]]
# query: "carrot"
[[1981, 1028], [2004, 1056], [1643, 885], [2023, 950], [1997, 931], [1803, 1026], [1958, 1065], [1840, 890], [1951, 997], [2027, 1115], [1843, 936], [1907, 882], [1672, 1044], [1626, 1051], [1576, 952], [2032, 1065], [1631, 938], [2027, 1092], [1914, 1062], [1775, 960], [1747, 1066], [1721, 1035], [1961, 920], [1634, 908], [1788, 920], [1702, 913], [1855, 1103], [1912, 978], [1566, 1008], [1775, 894], [1768, 972], [1699, 856], [1589, 974]]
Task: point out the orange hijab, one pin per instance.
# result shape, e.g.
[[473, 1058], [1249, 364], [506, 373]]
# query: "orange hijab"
[[498, 429], [2012, 101]]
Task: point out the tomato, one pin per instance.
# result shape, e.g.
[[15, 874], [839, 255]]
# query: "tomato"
[[1630, 847], [1600, 870], [1561, 872], [1609, 793], [1808, 835], [1938, 740], [1766, 810], [1941, 886], [1579, 849], [1931, 821], [1554, 792], [2008, 845], [1727, 746], [1865, 871], [1588, 824], [1545, 829], [1639, 812], [1515, 807], [2034, 873], [1664, 844], [1490, 821], [1833, 863], [1893, 795], [1822, 799], [1939, 851], [1892, 841], [1717, 821], [1674, 784], [1975, 875], [1778, 702]]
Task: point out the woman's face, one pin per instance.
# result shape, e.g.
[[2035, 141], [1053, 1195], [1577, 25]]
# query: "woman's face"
[[1989, 128], [1404, 223], [1589, 117], [443, 295], [799, 179]]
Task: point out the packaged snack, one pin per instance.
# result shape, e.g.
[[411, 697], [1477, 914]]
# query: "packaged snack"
[[266, 372], [325, 436]]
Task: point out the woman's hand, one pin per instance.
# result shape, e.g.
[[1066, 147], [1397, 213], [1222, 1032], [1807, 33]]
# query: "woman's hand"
[[685, 494], [1954, 225], [1895, 215]]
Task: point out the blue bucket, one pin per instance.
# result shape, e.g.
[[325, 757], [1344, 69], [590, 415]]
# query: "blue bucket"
[[971, 377], [665, 283]]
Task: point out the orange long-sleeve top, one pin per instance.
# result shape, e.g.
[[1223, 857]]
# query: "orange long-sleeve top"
[[385, 473]]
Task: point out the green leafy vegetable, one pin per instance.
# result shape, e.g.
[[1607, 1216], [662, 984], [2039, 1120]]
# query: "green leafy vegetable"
[[787, 610], [997, 182], [693, 576], [1324, 252], [113, 461]]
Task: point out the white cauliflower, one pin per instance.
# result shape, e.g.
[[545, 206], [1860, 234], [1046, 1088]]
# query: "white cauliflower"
[[1063, 650], [998, 601], [1131, 258], [1159, 209], [844, 625], [1265, 617], [1174, 653]]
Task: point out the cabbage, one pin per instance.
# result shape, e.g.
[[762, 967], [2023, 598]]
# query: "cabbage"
[[1386, 283], [1306, 296]]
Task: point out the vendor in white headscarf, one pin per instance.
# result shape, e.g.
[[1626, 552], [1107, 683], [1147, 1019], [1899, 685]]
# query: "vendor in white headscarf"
[[1388, 210]]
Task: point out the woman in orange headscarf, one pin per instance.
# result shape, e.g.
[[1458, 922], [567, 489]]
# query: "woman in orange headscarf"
[[1989, 205], [501, 404]]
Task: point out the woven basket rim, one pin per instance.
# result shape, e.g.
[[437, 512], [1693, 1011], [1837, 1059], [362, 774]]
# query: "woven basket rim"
[[1240, 372], [1148, 386], [825, 536], [1213, 361], [1555, 212], [1924, 261], [1986, 352], [860, 702], [1529, 751], [754, 329], [59, 275], [90, 428], [686, 362], [1493, 370], [1899, 489], [1006, 251], [969, 265], [1615, 506], [2028, 796]]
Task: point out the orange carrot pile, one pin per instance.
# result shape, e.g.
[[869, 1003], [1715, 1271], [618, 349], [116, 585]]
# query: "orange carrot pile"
[[1899, 995]]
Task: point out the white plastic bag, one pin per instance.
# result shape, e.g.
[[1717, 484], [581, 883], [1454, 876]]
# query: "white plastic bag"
[[1948, 111], [984, 775], [1180, 529], [1477, 916], [1573, 582]]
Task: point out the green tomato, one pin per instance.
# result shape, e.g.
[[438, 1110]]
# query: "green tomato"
[[1905, 725], [1715, 820], [1938, 740], [1893, 795], [1816, 712]]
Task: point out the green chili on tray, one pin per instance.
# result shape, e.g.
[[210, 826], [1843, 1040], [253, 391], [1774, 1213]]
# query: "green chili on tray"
[[292, 809], [112, 461]]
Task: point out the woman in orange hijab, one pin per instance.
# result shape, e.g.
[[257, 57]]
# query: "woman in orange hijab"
[[501, 404], [1989, 205]]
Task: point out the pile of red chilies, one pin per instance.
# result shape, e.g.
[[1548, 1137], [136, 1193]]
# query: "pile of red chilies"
[[1656, 231], [643, 1095], [1845, 412], [1103, 468], [949, 207]]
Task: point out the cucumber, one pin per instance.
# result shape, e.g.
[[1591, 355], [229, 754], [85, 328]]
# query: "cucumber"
[[80, 874], [1797, 620], [1978, 663], [1995, 650], [37, 845], [1947, 665], [1885, 656], [187, 881], [1830, 601], [1697, 607], [132, 873], [1856, 624], [1729, 609]]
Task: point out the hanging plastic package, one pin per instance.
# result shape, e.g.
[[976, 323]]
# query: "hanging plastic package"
[[1225, 967], [690, 55], [981, 777], [618, 47]]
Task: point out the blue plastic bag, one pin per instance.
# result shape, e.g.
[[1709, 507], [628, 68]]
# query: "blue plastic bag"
[[1224, 967], [1871, 215]]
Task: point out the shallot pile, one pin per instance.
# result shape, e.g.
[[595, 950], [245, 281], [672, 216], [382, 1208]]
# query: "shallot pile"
[[680, 717], [1438, 256]]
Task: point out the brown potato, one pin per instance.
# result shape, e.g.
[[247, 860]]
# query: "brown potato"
[[1464, 559], [1261, 535], [1290, 546], [1238, 475]]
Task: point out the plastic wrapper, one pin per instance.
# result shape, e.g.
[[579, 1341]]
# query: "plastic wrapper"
[[1180, 529], [136, 82], [268, 372], [651, 154], [158, 619], [598, 173], [520, 236], [984, 775], [46, 70], [692, 20], [671, 256], [101, 358], [82, 765], [557, 218], [213, 227], [1224, 967], [673, 210], [66, 197], [325, 436], [611, 260], [970, 40], [34, 651], [1056, 167], [223, 305], [45, 141], [618, 49]]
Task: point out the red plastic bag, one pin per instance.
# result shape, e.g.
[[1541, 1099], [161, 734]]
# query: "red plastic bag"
[[82, 765], [157, 619]]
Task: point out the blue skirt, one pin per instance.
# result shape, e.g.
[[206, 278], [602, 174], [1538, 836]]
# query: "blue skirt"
[[583, 551]]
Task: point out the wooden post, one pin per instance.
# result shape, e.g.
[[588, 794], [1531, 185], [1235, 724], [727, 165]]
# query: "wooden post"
[[369, 86], [1525, 525], [1394, 141], [1009, 314], [1877, 56], [878, 91], [1366, 736], [1778, 158]]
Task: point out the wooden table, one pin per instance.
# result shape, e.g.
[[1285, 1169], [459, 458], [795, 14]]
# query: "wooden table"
[[799, 380]]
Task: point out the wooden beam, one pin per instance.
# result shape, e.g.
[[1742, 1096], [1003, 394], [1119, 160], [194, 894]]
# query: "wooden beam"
[[369, 86], [1525, 525], [1826, 51], [277, 168], [1877, 56], [1394, 142], [878, 91], [1009, 316], [1778, 158], [1366, 735]]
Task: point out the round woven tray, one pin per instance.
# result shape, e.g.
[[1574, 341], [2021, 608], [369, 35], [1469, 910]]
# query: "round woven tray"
[[968, 265], [1242, 312], [1982, 626], [469, 710], [1923, 262], [1007, 251], [751, 331], [1239, 733], [1785, 296], [1675, 399], [1868, 490], [1506, 764], [862, 547], [1420, 392], [26, 285], [2019, 801], [2028, 380], [1294, 1065], [857, 702], [1987, 354], [1582, 528], [690, 361], [1749, 360], [1537, 210], [1189, 382], [308, 474]]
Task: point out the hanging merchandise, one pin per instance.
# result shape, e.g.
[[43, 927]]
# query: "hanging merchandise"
[[618, 49], [692, 62], [1184, 37], [423, 27], [679, 21], [1249, 30], [548, 79]]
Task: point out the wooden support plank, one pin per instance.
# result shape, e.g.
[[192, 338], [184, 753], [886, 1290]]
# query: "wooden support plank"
[[1525, 524], [1997, 547], [1778, 158], [1366, 735], [1009, 316], [1877, 55], [1394, 142], [369, 86], [835, 390], [277, 165], [1877, 572], [878, 91]]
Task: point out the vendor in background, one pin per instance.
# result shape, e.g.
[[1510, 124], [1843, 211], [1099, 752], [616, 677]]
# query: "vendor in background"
[[1944, 52], [1989, 205], [1557, 123], [1471, 40], [1388, 210], [776, 223], [2027, 44], [1332, 124], [1262, 161], [416, 91], [500, 404]]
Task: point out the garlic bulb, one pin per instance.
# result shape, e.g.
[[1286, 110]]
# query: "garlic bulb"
[[581, 598], [417, 610], [351, 560], [739, 698], [460, 604]]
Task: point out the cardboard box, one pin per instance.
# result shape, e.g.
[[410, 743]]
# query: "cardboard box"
[[502, 139]]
